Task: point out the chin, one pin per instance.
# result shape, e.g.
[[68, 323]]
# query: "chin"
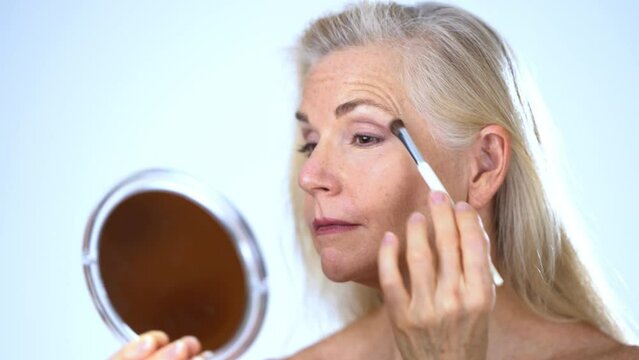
[[338, 268], [335, 275]]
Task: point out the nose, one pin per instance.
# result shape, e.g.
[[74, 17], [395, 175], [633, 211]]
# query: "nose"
[[319, 174]]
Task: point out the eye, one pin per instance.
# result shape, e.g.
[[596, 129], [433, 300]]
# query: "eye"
[[366, 140], [307, 148]]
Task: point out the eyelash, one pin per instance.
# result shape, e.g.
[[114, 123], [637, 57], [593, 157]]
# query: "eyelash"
[[307, 148], [372, 140]]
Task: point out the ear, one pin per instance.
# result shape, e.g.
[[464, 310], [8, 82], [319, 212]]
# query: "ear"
[[489, 161]]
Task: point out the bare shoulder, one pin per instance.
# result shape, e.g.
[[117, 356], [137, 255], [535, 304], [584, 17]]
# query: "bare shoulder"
[[604, 347], [327, 348], [580, 341], [620, 352], [359, 340]]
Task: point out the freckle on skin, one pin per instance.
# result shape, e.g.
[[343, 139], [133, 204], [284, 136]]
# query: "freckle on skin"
[[379, 187]]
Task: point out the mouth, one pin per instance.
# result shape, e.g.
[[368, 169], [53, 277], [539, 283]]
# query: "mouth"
[[324, 226]]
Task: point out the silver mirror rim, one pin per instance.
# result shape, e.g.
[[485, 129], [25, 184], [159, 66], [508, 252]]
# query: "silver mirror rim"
[[216, 205]]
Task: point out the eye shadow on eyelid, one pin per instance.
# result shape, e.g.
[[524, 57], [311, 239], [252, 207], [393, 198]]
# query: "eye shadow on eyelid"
[[377, 124]]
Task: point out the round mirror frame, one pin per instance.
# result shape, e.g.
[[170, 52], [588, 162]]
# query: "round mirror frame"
[[217, 207]]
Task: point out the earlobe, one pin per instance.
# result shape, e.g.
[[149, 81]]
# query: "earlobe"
[[489, 160]]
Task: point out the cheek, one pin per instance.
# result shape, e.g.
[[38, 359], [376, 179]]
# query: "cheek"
[[389, 192]]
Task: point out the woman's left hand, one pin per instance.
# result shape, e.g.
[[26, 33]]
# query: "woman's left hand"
[[446, 312]]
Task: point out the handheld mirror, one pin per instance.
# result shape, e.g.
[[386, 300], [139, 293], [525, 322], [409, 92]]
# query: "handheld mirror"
[[162, 251]]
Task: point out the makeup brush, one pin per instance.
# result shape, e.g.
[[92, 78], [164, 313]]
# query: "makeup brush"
[[398, 129]]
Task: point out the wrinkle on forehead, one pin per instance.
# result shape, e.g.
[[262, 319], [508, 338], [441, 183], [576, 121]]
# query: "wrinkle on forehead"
[[382, 93], [366, 70]]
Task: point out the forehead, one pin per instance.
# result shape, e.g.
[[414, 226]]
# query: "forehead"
[[357, 60], [372, 69]]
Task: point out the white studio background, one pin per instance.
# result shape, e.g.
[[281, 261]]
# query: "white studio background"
[[91, 92]]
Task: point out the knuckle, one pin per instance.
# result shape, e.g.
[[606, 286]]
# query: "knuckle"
[[453, 295], [403, 323], [476, 306], [451, 307], [417, 256], [424, 319], [479, 303]]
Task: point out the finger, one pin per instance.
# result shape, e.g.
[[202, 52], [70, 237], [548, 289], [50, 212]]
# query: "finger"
[[390, 278], [203, 356], [182, 349], [475, 249], [420, 260], [143, 346], [193, 345], [446, 240]]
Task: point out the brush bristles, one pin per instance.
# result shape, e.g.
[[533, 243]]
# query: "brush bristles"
[[395, 126]]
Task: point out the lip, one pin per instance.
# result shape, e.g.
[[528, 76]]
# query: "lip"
[[323, 226]]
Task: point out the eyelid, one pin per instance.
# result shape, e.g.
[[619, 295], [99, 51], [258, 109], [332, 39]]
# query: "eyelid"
[[375, 127], [307, 134]]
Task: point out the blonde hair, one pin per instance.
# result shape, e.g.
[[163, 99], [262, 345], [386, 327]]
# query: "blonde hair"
[[461, 76]]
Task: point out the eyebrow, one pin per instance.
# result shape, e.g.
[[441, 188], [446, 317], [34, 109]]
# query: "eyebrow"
[[347, 107]]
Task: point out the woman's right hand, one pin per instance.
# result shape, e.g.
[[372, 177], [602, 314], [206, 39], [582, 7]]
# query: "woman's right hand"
[[446, 313], [154, 345]]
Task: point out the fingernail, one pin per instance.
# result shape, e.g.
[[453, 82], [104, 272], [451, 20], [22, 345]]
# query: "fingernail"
[[189, 338], [192, 343], [201, 357], [388, 238], [178, 348], [143, 346], [462, 206], [437, 197], [204, 356], [416, 217]]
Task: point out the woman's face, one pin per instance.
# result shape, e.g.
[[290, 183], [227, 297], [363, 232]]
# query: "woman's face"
[[359, 180]]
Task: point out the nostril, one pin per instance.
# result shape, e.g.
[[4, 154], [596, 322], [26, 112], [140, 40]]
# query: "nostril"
[[312, 185], [318, 176]]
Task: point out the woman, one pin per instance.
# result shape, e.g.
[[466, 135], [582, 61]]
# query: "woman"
[[373, 221]]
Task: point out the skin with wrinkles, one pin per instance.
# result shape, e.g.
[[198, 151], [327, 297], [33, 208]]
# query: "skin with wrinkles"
[[358, 172], [374, 184], [427, 256]]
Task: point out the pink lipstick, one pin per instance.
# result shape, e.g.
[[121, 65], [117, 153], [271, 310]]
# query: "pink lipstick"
[[323, 226]]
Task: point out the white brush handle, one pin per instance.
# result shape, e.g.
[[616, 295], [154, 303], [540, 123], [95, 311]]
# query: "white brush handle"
[[430, 177], [436, 185]]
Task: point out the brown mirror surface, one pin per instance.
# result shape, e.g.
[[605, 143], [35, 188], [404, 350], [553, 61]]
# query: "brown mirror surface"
[[168, 264]]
